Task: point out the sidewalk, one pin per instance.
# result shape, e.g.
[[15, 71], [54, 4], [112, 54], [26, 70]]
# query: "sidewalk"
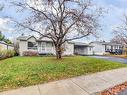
[[83, 85]]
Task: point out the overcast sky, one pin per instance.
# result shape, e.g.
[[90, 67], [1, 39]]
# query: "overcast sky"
[[115, 9]]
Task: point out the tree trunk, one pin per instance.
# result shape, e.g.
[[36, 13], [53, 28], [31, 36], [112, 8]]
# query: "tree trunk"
[[58, 51], [59, 55]]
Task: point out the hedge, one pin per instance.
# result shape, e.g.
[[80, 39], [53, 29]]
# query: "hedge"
[[6, 54], [30, 53]]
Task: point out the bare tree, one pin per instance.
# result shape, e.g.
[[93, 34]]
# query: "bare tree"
[[60, 20], [119, 39], [1, 7], [121, 31]]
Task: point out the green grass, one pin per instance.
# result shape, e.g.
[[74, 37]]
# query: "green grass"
[[24, 71]]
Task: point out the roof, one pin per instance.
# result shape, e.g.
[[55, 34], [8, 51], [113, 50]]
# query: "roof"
[[24, 38], [106, 43], [44, 39], [2, 42], [99, 42], [82, 44], [111, 43]]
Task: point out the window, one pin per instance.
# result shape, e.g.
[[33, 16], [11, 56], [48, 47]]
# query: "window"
[[43, 46], [32, 45], [90, 48], [49, 44]]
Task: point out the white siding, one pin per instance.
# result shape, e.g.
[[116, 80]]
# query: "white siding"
[[98, 49], [69, 49], [32, 39], [85, 51], [90, 50], [23, 45]]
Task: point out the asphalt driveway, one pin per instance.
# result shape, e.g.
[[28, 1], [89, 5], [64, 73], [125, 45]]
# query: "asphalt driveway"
[[115, 59]]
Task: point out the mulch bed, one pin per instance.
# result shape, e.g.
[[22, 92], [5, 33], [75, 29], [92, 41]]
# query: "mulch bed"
[[115, 90]]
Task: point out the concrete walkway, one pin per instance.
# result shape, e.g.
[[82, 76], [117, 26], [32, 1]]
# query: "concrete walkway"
[[83, 85]]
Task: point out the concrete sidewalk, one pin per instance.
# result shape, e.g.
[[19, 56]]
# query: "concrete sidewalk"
[[83, 85]]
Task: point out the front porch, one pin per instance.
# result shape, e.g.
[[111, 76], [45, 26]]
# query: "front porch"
[[45, 48]]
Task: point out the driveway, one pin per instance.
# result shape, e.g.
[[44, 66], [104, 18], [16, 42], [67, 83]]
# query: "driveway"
[[115, 59]]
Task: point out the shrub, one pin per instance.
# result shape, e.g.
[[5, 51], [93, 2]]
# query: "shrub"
[[46, 54], [30, 53], [7, 54]]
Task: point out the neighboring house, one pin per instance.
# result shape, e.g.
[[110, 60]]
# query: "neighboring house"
[[125, 49], [41, 45], [102, 47], [5, 46]]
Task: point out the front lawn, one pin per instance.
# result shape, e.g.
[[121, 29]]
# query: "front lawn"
[[24, 71]]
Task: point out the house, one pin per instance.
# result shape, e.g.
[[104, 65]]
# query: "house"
[[102, 47], [41, 45], [5, 46], [45, 46]]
